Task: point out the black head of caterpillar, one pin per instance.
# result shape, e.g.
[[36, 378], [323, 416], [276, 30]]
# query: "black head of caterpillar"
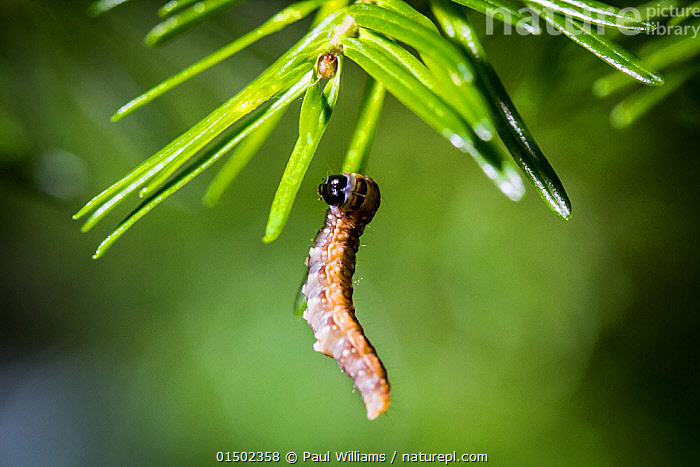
[[354, 194]]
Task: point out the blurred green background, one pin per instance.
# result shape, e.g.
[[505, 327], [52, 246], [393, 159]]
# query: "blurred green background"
[[504, 330]]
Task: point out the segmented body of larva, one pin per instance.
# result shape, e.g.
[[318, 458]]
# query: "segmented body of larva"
[[353, 200]]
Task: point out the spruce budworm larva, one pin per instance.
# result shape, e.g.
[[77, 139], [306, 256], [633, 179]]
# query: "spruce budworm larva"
[[353, 199]]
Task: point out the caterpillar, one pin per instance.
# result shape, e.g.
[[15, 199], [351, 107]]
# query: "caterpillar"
[[353, 200]]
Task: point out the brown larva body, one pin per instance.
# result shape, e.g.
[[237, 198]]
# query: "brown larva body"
[[327, 65], [328, 288]]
